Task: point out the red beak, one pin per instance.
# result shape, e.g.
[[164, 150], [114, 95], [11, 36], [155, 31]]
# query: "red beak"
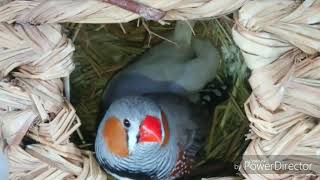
[[150, 130]]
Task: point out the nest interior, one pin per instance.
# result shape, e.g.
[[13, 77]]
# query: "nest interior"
[[102, 50]]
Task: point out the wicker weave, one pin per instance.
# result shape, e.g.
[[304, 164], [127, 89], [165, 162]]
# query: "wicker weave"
[[279, 40]]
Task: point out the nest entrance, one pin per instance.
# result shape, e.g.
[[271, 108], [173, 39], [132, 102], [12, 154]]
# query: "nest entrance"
[[102, 50]]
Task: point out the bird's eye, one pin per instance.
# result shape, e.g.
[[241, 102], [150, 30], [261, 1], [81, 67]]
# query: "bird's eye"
[[126, 123]]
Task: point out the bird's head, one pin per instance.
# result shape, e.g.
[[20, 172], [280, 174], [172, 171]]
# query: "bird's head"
[[131, 122]]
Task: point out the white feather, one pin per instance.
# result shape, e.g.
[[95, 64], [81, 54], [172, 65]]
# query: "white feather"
[[191, 64]]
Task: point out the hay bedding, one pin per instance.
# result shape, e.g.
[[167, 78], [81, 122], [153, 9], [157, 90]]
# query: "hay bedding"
[[279, 41]]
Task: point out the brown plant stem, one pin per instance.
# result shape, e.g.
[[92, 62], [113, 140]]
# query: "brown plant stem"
[[145, 11]]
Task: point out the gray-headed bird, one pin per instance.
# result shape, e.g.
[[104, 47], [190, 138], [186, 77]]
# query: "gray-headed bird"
[[152, 128]]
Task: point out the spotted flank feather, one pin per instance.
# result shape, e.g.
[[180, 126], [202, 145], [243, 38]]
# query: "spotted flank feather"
[[183, 166]]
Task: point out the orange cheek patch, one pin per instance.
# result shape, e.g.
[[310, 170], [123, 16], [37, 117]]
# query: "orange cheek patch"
[[115, 137]]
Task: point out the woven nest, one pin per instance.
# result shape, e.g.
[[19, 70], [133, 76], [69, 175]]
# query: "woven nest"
[[279, 41]]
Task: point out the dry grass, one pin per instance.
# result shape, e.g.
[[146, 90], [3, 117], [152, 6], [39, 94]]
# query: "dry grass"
[[101, 50]]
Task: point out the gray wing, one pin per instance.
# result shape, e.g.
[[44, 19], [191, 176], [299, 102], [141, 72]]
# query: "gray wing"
[[129, 84], [189, 121]]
